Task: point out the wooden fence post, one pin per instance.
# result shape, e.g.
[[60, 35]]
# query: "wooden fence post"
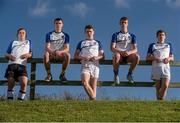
[[32, 81]]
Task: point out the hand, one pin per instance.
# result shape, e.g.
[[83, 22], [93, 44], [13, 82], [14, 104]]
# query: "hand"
[[166, 61], [12, 58], [25, 56], [124, 53], [94, 58]]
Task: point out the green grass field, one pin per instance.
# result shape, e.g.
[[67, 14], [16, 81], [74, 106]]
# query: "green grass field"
[[62, 111]]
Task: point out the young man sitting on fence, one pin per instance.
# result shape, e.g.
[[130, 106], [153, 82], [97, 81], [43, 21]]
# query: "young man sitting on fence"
[[89, 52], [18, 52], [124, 47], [160, 54], [57, 47]]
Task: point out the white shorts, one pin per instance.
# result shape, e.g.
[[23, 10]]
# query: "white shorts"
[[160, 72], [92, 70]]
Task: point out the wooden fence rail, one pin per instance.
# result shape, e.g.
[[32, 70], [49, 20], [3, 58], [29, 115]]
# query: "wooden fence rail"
[[33, 82]]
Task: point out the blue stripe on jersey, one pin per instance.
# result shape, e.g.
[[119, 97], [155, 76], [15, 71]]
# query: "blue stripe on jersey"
[[10, 48], [150, 49], [49, 40], [171, 49], [30, 48]]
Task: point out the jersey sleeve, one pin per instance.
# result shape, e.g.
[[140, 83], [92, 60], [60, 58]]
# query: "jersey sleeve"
[[114, 38], [47, 37], [66, 39], [78, 46], [133, 39], [171, 49], [150, 49], [9, 49], [30, 46]]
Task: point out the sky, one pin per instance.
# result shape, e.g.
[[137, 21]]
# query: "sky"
[[145, 18]]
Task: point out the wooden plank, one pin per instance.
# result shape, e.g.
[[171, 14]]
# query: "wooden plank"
[[100, 83], [102, 62]]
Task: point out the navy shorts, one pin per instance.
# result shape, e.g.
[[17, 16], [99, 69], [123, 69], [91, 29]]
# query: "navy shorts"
[[15, 71]]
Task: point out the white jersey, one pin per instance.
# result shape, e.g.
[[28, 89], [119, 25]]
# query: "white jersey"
[[90, 48], [17, 49], [161, 51], [57, 40], [124, 41]]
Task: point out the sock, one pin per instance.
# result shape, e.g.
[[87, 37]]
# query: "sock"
[[10, 94], [21, 95], [129, 73], [49, 72], [63, 72], [116, 72]]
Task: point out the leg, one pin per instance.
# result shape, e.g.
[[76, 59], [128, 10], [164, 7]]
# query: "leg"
[[93, 84], [10, 91], [158, 87], [47, 66], [116, 60], [66, 61], [22, 92], [164, 88], [85, 77], [134, 60]]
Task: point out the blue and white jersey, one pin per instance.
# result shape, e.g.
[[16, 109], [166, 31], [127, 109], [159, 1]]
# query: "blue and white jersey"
[[57, 40], [89, 48], [19, 48], [160, 50], [124, 41]]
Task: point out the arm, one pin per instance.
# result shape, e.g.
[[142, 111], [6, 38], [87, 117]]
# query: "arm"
[[169, 59], [26, 56], [134, 49], [10, 57], [99, 57], [48, 48], [114, 49]]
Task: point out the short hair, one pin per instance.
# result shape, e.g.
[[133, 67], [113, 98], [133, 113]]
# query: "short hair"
[[58, 19], [88, 27], [123, 19], [160, 31], [21, 28]]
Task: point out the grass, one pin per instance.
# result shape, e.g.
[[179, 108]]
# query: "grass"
[[62, 111]]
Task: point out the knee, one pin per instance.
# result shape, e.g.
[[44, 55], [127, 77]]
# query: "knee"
[[117, 58], [46, 55], [67, 55], [135, 58], [85, 84]]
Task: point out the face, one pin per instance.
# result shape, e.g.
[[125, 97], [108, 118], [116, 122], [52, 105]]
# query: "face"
[[22, 35], [58, 25], [89, 33], [124, 24], [161, 37]]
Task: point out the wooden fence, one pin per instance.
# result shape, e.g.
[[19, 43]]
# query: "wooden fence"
[[33, 82]]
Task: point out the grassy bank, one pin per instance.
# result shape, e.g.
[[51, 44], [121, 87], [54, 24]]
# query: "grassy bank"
[[90, 111]]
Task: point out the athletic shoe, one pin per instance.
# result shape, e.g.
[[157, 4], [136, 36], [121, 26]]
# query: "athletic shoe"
[[62, 78], [130, 78], [116, 79], [48, 78]]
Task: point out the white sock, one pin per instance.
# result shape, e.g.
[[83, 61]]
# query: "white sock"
[[21, 95]]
